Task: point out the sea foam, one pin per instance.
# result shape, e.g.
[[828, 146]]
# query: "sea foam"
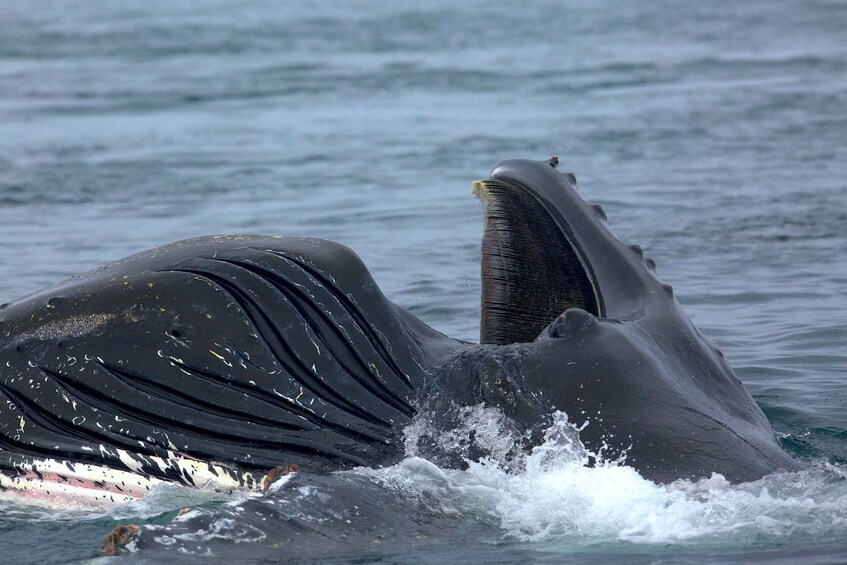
[[554, 497]]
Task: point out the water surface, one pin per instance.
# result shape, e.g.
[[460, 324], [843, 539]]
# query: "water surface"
[[715, 135]]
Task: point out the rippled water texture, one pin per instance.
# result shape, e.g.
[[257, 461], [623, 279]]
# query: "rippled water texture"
[[714, 134]]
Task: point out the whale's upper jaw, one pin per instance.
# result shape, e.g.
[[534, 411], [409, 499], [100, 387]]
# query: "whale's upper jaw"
[[546, 250], [625, 355]]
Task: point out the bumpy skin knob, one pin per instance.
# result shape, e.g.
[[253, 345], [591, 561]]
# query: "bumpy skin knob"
[[571, 323]]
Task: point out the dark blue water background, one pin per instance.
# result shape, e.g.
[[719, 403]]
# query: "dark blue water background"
[[714, 134]]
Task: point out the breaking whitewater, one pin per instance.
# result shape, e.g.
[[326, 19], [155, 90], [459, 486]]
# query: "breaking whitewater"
[[504, 505]]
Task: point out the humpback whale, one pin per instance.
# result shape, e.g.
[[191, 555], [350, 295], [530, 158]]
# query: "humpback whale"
[[217, 359]]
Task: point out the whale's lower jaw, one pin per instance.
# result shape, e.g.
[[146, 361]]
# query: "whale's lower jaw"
[[62, 483]]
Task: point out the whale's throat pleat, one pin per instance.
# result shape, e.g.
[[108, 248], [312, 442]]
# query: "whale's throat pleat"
[[530, 271]]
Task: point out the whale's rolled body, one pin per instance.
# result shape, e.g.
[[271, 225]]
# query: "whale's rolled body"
[[222, 357], [249, 351]]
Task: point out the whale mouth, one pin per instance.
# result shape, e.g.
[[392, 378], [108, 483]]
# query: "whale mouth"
[[531, 269]]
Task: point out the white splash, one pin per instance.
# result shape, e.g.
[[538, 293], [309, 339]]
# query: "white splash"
[[556, 498]]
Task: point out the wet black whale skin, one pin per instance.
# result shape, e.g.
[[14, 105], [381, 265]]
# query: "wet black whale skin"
[[258, 351]]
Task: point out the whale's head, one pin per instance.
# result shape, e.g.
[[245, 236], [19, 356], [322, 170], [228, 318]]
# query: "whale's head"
[[549, 259], [604, 339]]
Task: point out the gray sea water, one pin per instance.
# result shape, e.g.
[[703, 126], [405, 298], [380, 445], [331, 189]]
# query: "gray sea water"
[[714, 134]]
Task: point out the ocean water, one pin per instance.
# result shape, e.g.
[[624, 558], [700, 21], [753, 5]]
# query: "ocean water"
[[714, 135]]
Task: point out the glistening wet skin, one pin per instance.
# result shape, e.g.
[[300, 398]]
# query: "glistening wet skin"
[[289, 354]]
